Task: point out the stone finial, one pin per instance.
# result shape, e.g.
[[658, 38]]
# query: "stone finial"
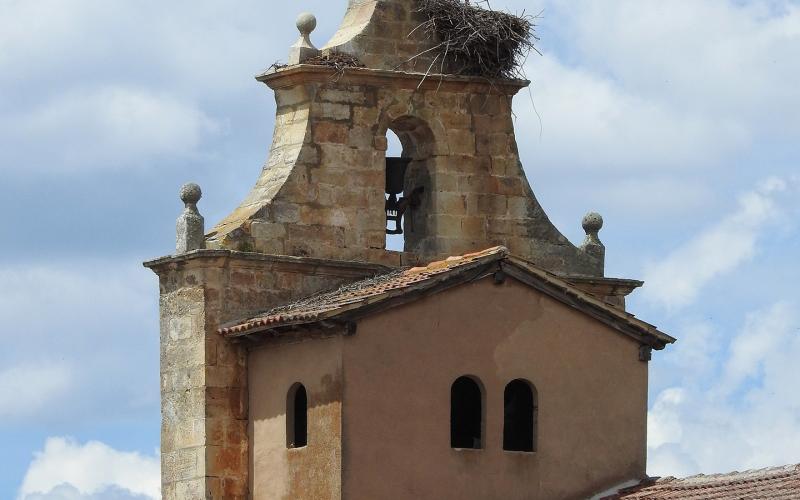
[[303, 49], [592, 223], [189, 228]]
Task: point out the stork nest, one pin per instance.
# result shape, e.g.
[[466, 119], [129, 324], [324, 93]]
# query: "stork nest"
[[327, 297], [338, 60], [478, 41]]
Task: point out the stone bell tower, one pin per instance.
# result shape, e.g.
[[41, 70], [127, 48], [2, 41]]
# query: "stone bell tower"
[[317, 218], [322, 192]]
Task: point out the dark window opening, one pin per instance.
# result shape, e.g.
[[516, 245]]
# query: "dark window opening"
[[519, 424], [466, 414], [394, 241], [297, 417]]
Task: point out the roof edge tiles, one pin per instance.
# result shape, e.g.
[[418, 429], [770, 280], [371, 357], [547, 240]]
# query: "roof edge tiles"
[[371, 295], [364, 293], [772, 482]]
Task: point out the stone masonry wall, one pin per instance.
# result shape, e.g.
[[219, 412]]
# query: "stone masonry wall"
[[204, 395], [322, 192], [384, 34]]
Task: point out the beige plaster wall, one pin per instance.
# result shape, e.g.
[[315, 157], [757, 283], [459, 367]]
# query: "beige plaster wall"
[[311, 472], [204, 407], [399, 367]]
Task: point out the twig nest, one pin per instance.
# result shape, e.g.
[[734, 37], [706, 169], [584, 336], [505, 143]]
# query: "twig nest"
[[477, 41]]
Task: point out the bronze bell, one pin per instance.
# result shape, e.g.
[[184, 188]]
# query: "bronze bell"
[[395, 184]]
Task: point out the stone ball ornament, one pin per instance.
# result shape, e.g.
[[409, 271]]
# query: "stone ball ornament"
[[306, 23], [592, 222], [190, 193]]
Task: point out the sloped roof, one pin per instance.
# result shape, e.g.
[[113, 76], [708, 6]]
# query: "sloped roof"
[[370, 295], [771, 483], [362, 292]]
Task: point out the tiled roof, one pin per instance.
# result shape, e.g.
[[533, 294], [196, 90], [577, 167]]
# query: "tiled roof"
[[770, 483], [361, 296], [361, 292]]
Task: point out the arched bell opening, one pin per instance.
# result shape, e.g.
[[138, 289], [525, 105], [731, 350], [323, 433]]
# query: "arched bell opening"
[[408, 186], [395, 167]]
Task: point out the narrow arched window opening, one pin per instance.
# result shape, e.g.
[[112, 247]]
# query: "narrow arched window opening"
[[466, 414], [519, 424], [394, 240], [297, 417]]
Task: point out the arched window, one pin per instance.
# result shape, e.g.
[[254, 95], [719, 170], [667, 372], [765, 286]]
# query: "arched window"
[[410, 145], [394, 150], [297, 417], [466, 414], [519, 424]]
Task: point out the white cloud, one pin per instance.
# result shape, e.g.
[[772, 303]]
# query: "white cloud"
[[68, 492], [766, 334], [591, 122], [676, 280], [743, 413], [45, 383], [646, 100], [651, 84], [723, 58], [86, 330], [192, 45], [66, 466], [138, 83], [104, 128], [662, 421]]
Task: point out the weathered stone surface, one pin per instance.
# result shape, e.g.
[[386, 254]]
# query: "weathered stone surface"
[[190, 231], [323, 197], [318, 201], [303, 49], [203, 376]]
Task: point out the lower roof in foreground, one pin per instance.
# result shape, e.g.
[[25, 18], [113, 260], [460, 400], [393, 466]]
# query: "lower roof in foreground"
[[771, 483], [375, 294]]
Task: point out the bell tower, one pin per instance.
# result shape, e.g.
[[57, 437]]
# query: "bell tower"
[[323, 192], [318, 214]]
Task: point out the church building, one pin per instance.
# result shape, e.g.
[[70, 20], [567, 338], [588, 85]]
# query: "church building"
[[489, 359]]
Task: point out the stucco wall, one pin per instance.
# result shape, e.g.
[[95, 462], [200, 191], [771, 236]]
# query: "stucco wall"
[[311, 472], [399, 367], [204, 439]]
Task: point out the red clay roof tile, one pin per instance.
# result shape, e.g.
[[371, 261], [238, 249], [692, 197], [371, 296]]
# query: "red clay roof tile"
[[770, 483], [314, 306], [382, 288]]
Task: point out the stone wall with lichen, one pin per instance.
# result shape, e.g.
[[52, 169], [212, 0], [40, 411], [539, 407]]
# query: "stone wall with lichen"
[[386, 34], [204, 439], [321, 193], [319, 201]]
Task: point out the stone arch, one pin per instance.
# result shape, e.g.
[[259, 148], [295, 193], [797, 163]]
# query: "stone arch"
[[419, 143]]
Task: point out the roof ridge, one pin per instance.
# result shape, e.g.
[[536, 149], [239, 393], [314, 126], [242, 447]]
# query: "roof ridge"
[[360, 291], [753, 483], [369, 295], [737, 476]]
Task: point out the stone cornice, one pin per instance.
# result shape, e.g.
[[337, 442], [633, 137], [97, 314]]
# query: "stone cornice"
[[308, 73], [204, 257], [609, 286]]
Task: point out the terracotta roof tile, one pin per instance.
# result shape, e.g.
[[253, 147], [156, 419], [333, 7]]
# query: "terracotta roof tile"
[[770, 483], [380, 289], [359, 292]]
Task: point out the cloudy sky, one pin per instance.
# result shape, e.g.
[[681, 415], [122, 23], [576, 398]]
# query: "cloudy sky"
[[678, 120]]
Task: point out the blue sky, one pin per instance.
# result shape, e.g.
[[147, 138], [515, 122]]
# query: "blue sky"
[[677, 120]]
